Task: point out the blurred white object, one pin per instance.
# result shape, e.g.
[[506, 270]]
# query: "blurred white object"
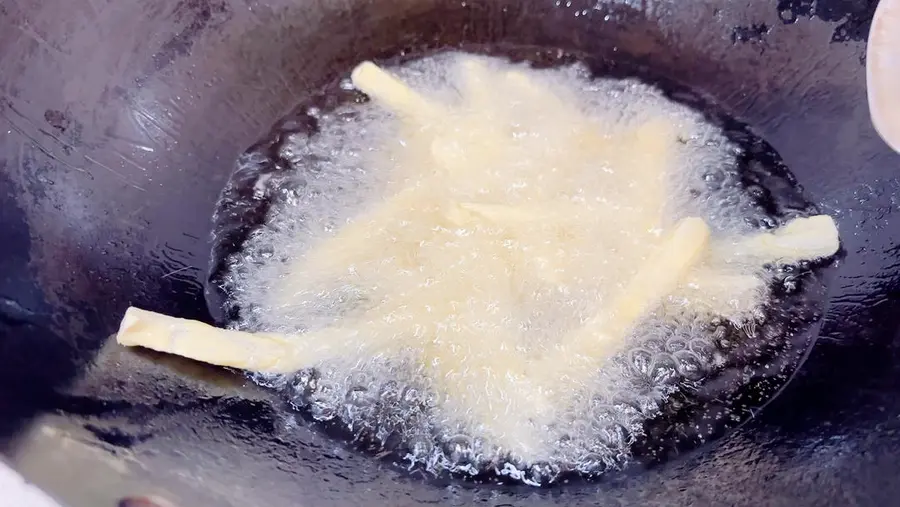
[[883, 71], [16, 492]]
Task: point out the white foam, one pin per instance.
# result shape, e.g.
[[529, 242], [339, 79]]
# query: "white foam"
[[349, 166]]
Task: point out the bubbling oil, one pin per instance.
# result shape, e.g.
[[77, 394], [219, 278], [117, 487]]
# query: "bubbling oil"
[[315, 175]]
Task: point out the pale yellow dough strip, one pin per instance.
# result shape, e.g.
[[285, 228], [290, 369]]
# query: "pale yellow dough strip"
[[392, 92], [273, 353], [658, 276], [803, 238], [196, 340], [584, 351], [259, 352], [800, 239], [597, 340], [603, 335]]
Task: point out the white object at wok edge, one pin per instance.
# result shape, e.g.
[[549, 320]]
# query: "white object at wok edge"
[[883, 72], [15, 491]]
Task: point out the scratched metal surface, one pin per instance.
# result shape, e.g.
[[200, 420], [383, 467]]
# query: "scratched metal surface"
[[119, 125]]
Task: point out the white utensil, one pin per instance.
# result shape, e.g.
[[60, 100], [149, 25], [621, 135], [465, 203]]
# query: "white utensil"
[[883, 72]]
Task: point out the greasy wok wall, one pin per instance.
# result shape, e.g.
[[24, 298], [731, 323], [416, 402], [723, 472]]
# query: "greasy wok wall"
[[119, 125]]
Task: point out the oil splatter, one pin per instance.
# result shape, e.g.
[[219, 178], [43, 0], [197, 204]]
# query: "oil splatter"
[[854, 16]]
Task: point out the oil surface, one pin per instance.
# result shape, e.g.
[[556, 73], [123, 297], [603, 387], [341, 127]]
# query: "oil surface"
[[654, 397]]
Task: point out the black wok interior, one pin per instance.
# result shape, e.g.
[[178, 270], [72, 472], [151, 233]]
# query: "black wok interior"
[[119, 127]]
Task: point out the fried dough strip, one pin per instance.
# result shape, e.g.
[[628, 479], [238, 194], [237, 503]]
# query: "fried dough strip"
[[273, 353], [393, 93]]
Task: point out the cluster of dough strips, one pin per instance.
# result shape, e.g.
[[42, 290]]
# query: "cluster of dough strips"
[[684, 257]]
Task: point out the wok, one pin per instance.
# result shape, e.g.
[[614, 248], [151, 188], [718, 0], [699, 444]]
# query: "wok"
[[119, 126]]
